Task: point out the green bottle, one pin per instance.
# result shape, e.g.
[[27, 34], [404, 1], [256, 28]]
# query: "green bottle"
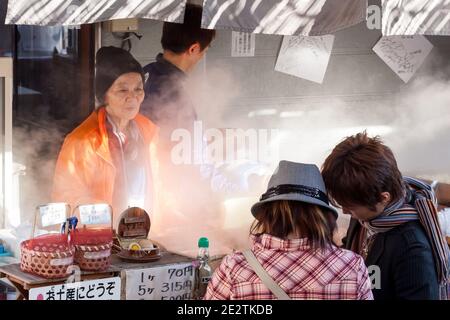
[[203, 271]]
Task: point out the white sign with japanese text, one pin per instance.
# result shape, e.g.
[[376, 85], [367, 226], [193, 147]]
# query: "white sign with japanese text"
[[53, 213], [95, 214], [305, 57], [403, 54], [99, 289], [170, 282], [242, 44]]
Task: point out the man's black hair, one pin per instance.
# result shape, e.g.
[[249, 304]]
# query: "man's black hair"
[[178, 37]]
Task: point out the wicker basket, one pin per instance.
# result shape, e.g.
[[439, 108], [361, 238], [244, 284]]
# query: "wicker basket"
[[93, 257], [46, 260], [93, 241]]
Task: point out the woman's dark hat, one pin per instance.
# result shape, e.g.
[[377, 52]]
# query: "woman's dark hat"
[[111, 63], [296, 182]]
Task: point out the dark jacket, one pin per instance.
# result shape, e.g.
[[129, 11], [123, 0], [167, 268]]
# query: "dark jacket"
[[167, 102], [405, 260]]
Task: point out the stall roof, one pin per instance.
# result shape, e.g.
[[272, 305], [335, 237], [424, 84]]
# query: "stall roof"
[[76, 12], [409, 17], [285, 17]]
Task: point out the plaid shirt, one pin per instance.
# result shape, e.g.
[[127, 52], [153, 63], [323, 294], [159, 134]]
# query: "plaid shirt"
[[331, 274]]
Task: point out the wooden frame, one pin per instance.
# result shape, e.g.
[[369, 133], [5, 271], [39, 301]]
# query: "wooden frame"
[[87, 47], [6, 172]]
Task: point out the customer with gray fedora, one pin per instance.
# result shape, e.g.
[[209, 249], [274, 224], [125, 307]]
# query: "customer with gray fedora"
[[293, 254]]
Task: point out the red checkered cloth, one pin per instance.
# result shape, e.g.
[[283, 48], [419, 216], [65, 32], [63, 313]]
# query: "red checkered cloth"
[[333, 274]]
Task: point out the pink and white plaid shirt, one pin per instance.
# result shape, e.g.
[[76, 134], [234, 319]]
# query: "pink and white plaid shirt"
[[333, 274]]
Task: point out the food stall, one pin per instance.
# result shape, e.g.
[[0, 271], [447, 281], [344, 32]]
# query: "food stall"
[[248, 79]]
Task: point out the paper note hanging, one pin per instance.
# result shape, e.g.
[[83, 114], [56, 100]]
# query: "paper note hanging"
[[403, 54], [242, 44], [305, 57]]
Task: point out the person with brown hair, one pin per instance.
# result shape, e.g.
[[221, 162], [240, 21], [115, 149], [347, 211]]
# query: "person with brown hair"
[[293, 254], [394, 223]]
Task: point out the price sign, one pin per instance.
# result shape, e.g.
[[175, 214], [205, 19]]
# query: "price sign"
[[100, 289], [95, 214], [171, 282], [53, 213]]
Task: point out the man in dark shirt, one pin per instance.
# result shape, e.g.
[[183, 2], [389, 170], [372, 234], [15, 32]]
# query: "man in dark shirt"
[[168, 104]]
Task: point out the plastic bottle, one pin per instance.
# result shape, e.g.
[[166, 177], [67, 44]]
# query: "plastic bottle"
[[203, 271]]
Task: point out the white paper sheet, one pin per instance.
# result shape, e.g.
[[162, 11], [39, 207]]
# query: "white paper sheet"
[[403, 54], [52, 214], [305, 57], [242, 44]]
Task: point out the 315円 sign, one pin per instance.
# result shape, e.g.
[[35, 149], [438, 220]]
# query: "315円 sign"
[[170, 282]]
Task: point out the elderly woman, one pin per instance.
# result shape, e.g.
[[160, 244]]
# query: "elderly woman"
[[293, 254], [110, 157]]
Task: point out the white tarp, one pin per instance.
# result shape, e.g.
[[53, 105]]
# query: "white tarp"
[[410, 17], [283, 17], [76, 12]]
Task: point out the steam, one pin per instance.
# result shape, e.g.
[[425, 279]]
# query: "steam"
[[34, 156], [422, 140], [414, 124], [217, 199], [217, 191]]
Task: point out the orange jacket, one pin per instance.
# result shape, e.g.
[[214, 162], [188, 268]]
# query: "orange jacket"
[[85, 172]]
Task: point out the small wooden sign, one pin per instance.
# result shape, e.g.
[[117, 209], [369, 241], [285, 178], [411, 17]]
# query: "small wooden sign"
[[135, 233], [134, 220]]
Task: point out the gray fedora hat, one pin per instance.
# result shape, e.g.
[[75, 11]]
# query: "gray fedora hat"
[[296, 182]]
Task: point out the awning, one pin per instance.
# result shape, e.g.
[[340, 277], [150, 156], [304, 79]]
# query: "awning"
[[283, 17], [409, 17], [76, 12]]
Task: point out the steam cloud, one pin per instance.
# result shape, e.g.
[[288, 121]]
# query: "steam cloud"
[[414, 125]]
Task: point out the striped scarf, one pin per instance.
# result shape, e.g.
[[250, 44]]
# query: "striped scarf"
[[420, 204]]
